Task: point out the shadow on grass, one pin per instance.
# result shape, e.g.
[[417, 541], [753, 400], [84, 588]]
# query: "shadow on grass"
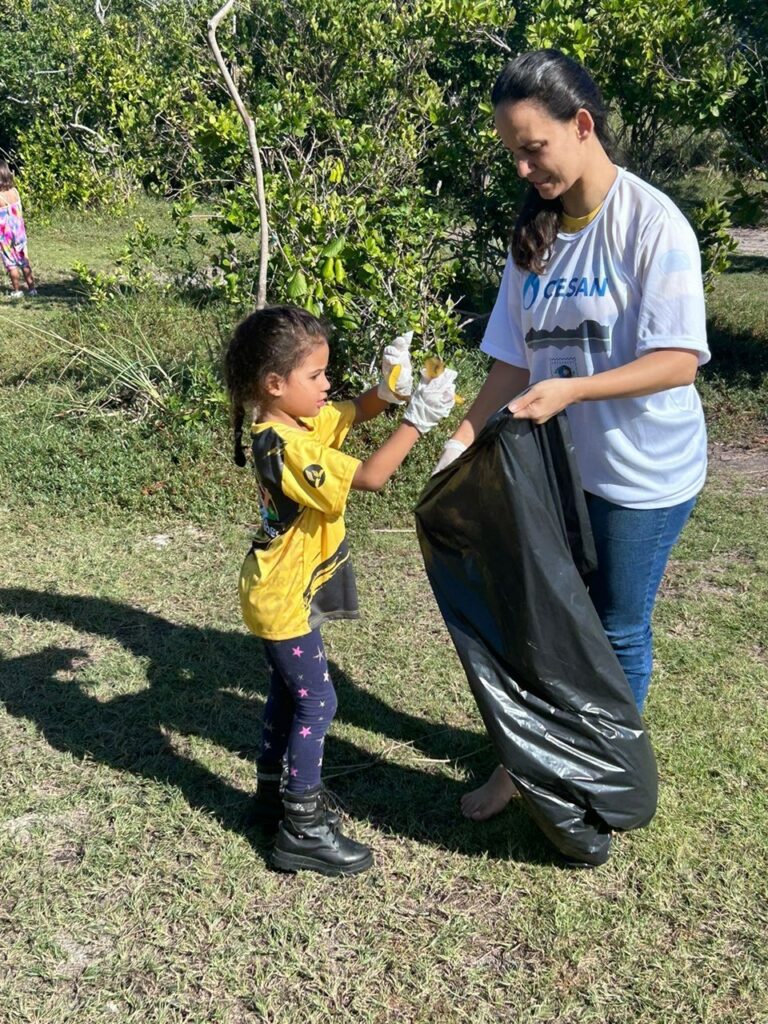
[[748, 264], [65, 292], [192, 674], [738, 359]]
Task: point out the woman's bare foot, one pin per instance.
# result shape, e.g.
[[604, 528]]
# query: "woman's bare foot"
[[491, 798]]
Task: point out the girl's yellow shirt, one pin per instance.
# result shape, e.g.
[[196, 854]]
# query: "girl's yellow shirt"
[[298, 573]]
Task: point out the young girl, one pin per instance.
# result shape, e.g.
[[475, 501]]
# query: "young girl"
[[601, 310], [298, 573], [13, 235]]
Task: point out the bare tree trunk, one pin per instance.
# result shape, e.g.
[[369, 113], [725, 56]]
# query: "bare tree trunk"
[[255, 155]]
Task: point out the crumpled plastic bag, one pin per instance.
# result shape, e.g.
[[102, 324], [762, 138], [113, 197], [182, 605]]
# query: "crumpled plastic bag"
[[505, 537]]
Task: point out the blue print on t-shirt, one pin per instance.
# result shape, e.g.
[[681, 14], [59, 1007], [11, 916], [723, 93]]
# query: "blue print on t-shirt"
[[675, 259]]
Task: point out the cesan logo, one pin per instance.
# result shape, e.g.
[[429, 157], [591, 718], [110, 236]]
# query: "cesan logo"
[[530, 290], [562, 288]]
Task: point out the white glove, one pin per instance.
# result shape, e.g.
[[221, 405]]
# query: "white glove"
[[432, 401], [396, 381], [451, 450]]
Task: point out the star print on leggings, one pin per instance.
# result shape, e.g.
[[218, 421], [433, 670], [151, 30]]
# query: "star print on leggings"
[[298, 709]]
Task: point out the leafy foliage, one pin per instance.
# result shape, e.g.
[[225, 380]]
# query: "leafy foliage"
[[96, 109], [712, 222], [665, 65], [388, 195]]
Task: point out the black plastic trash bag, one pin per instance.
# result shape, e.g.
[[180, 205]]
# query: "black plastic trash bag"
[[505, 536]]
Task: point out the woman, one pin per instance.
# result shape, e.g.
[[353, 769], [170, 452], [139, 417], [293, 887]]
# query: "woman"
[[600, 312]]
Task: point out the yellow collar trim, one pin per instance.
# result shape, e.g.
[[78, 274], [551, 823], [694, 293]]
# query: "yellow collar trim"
[[573, 224]]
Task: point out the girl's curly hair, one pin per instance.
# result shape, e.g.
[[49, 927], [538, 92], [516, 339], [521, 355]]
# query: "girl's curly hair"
[[272, 340]]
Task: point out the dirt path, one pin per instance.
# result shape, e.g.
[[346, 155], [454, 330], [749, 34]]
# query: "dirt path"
[[729, 464], [752, 241]]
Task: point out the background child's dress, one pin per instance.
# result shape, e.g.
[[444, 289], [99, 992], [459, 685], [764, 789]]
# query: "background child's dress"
[[13, 233]]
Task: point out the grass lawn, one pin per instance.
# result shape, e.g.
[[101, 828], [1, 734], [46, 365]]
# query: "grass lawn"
[[130, 700]]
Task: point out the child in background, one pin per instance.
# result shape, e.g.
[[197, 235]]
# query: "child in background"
[[298, 573], [13, 235]]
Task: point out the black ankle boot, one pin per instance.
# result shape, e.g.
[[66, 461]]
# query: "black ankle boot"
[[266, 805], [265, 809], [307, 841]]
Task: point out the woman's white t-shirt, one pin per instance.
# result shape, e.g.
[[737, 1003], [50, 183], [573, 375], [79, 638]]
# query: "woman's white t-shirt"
[[627, 283]]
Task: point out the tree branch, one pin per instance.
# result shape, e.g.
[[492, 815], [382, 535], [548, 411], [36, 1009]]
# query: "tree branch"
[[497, 41], [104, 147], [255, 155]]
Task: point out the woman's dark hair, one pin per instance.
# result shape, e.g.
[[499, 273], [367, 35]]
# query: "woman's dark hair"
[[272, 340], [6, 176], [562, 87]]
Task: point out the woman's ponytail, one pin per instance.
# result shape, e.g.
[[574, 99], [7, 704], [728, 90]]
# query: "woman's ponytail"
[[534, 232]]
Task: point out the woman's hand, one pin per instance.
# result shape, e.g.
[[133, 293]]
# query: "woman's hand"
[[654, 371], [544, 400], [452, 449]]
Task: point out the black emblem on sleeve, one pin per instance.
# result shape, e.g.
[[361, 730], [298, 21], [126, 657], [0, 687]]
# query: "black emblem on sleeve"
[[314, 475]]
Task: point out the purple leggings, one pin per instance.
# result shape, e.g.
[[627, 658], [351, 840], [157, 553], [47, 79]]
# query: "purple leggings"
[[300, 707]]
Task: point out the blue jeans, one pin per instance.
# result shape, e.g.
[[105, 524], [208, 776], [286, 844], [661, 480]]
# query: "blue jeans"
[[633, 546]]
